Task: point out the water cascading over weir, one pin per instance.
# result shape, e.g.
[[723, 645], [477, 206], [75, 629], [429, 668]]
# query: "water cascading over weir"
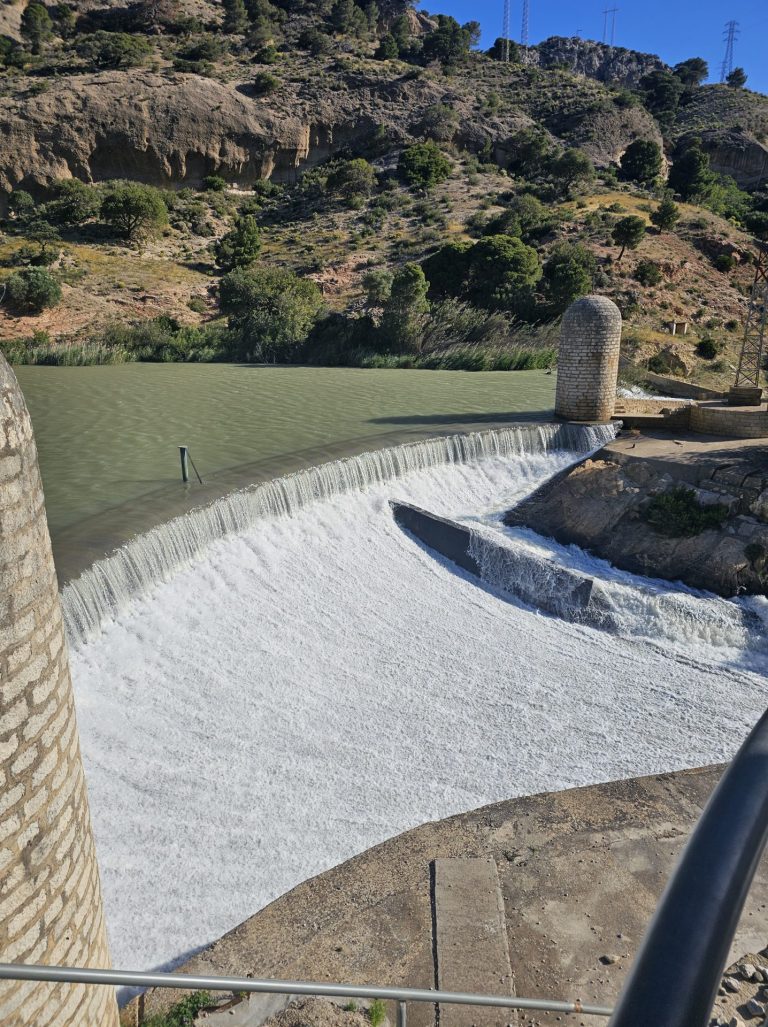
[[50, 894]]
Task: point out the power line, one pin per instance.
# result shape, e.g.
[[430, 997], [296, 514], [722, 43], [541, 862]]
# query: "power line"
[[730, 35], [526, 18], [609, 14]]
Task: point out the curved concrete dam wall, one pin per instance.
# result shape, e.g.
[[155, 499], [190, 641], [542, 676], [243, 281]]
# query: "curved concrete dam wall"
[[534, 577]]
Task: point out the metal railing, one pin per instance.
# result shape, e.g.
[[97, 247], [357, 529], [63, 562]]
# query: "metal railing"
[[676, 975], [194, 982]]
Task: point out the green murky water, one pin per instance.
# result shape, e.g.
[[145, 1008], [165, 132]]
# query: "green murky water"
[[108, 436]]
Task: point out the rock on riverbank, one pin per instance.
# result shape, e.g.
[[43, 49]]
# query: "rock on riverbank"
[[602, 504]]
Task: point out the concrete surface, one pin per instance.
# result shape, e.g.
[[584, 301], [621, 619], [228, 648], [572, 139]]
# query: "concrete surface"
[[580, 873], [471, 939]]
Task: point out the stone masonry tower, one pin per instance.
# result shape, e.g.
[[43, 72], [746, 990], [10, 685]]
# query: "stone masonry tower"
[[50, 896], [588, 362]]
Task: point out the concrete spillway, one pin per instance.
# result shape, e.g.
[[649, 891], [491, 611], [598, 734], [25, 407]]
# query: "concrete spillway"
[[312, 681]]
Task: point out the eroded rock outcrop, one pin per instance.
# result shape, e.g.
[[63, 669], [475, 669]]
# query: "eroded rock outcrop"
[[600, 505]]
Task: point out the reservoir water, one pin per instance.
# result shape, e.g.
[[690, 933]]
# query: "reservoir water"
[[109, 435]]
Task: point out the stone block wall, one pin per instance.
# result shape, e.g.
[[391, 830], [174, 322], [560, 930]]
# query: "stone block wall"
[[50, 896], [734, 422], [588, 361]]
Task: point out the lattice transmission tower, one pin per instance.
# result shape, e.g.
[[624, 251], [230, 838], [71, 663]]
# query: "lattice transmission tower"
[[609, 17], [730, 36], [526, 22], [505, 30], [753, 347]]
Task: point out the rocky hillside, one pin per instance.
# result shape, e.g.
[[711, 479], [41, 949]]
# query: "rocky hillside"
[[327, 147], [194, 101]]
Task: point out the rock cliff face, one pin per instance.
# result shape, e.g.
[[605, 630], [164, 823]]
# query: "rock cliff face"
[[599, 504], [610, 64], [166, 129], [172, 129]]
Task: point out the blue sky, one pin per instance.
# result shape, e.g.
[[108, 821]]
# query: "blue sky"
[[674, 29]]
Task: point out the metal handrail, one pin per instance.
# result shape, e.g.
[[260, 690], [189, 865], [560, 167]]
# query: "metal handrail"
[[195, 982], [676, 975]]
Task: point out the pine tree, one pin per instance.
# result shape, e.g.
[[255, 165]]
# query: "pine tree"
[[666, 215], [235, 17]]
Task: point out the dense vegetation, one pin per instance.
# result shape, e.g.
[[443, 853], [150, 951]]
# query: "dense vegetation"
[[480, 291]]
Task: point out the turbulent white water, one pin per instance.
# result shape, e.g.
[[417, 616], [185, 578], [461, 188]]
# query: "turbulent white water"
[[315, 683]]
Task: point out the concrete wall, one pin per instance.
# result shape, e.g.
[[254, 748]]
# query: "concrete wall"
[[50, 897], [588, 361], [738, 423]]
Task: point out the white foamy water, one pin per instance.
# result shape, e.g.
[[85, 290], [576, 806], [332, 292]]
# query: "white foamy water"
[[319, 682]]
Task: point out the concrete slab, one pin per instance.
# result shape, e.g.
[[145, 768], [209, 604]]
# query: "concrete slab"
[[471, 939], [581, 872]]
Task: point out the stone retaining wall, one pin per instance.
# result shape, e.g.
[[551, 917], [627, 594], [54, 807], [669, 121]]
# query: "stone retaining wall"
[[50, 897], [736, 422]]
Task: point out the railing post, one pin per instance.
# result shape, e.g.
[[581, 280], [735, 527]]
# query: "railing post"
[[402, 1014], [184, 454]]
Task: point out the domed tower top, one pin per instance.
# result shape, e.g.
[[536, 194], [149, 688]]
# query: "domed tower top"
[[588, 362]]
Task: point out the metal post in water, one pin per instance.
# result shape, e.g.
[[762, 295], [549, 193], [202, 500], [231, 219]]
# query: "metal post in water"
[[184, 454]]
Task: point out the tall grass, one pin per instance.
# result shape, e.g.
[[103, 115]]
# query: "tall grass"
[[62, 354]]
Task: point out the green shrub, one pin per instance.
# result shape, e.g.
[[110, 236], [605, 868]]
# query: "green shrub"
[[424, 165], [678, 514], [183, 1014], [21, 204], [214, 184], [641, 161], [264, 83], [271, 311], [240, 246], [724, 262], [74, 202], [709, 348], [648, 273], [377, 1012], [32, 290], [113, 49], [134, 210]]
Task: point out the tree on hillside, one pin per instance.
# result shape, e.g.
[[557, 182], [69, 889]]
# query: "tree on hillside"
[[113, 49], [666, 215], [347, 17], [405, 311], [134, 210], [641, 161], [662, 91], [32, 290], [447, 269], [450, 41], [530, 149], [388, 49], [503, 46], [352, 178], [573, 166], [568, 274], [74, 202], [692, 72], [690, 175], [502, 272], [36, 25], [241, 245], [424, 165], [271, 311], [628, 233], [737, 78], [235, 20]]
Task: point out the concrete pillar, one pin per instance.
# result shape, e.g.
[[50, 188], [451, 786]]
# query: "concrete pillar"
[[588, 361], [50, 896]]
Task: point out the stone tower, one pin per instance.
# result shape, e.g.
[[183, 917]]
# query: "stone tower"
[[50, 896], [588, 362]]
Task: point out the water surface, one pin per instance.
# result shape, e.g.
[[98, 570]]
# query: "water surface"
[[108, 436]]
